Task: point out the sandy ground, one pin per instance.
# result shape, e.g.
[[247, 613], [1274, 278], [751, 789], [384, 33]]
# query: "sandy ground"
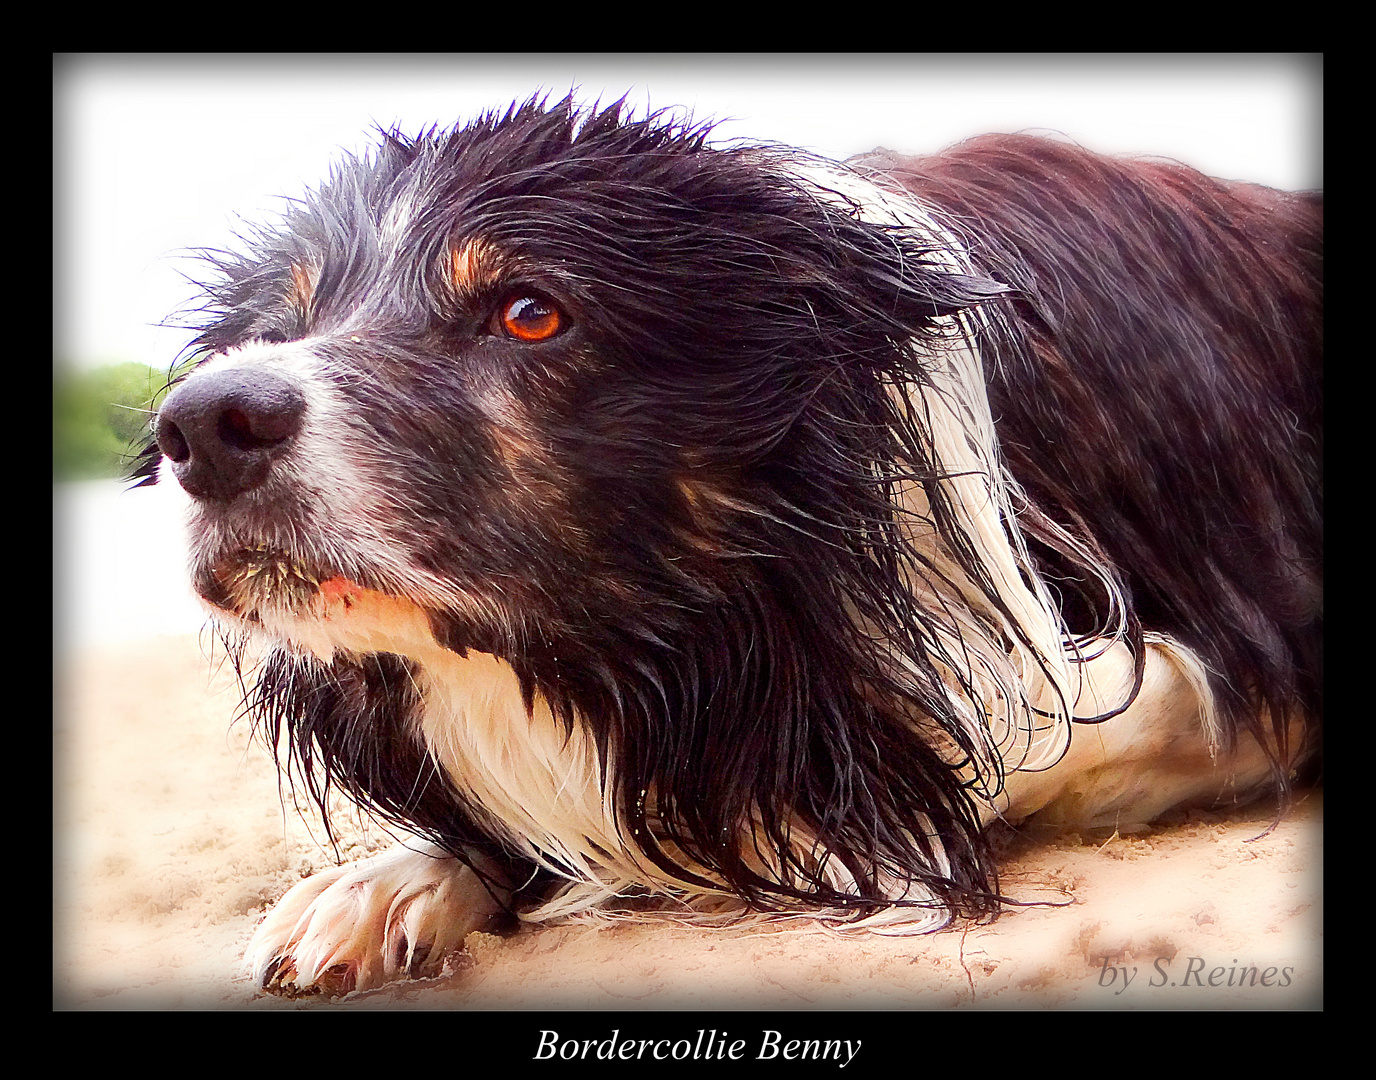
[[170, 838]]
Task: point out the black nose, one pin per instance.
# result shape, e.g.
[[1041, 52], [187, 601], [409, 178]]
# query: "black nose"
[[222, 429]]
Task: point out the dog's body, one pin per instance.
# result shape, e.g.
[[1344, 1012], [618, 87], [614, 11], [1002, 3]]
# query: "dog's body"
[[628, 516]]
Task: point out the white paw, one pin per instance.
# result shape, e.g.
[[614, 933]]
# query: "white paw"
[[397, 915]]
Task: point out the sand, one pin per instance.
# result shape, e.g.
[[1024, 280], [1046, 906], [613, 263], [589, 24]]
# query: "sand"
[[171, 838]]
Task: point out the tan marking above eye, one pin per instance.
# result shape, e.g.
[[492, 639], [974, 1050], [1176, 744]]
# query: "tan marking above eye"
[[473, 269], [303, 279], [528, 318], [468, 266]]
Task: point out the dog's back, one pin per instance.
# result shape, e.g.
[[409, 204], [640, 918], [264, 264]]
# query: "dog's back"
[[1157, 380]]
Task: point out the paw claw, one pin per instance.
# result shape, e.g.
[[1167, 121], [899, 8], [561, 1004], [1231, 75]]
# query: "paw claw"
[[394, 916]]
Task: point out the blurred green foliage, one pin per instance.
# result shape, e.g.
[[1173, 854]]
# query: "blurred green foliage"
[[101, 417]]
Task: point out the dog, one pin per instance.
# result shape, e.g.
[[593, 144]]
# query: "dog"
[[641, 523]]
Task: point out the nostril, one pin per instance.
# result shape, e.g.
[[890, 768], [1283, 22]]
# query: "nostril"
[[171, 441], [258, 432], [236, 430]]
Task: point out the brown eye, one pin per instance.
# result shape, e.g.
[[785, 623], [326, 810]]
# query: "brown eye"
[[529, 319]]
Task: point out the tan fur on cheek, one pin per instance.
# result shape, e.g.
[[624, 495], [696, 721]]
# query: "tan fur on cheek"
[[347, 616]]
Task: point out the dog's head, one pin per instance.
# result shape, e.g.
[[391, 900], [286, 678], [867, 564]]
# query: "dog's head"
[[545, 376], [627, 411]]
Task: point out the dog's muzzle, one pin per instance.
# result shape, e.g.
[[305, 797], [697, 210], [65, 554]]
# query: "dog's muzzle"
[[221, 430]]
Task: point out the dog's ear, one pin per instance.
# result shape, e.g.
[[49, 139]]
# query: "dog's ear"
[[940, 293], [905, 283], [894, 261]]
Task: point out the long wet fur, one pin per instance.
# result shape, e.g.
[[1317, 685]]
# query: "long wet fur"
[[1159, 383], [710, 556]]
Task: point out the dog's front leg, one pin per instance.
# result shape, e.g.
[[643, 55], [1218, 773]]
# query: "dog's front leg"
[[397, 915]]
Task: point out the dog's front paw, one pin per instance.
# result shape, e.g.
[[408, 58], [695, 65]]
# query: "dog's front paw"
[[393, 916]]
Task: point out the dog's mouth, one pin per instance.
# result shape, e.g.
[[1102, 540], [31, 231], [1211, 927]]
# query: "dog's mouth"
[[251, 580], [311, 608]]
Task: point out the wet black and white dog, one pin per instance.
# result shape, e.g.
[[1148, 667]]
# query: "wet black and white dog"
[[630, 518]]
